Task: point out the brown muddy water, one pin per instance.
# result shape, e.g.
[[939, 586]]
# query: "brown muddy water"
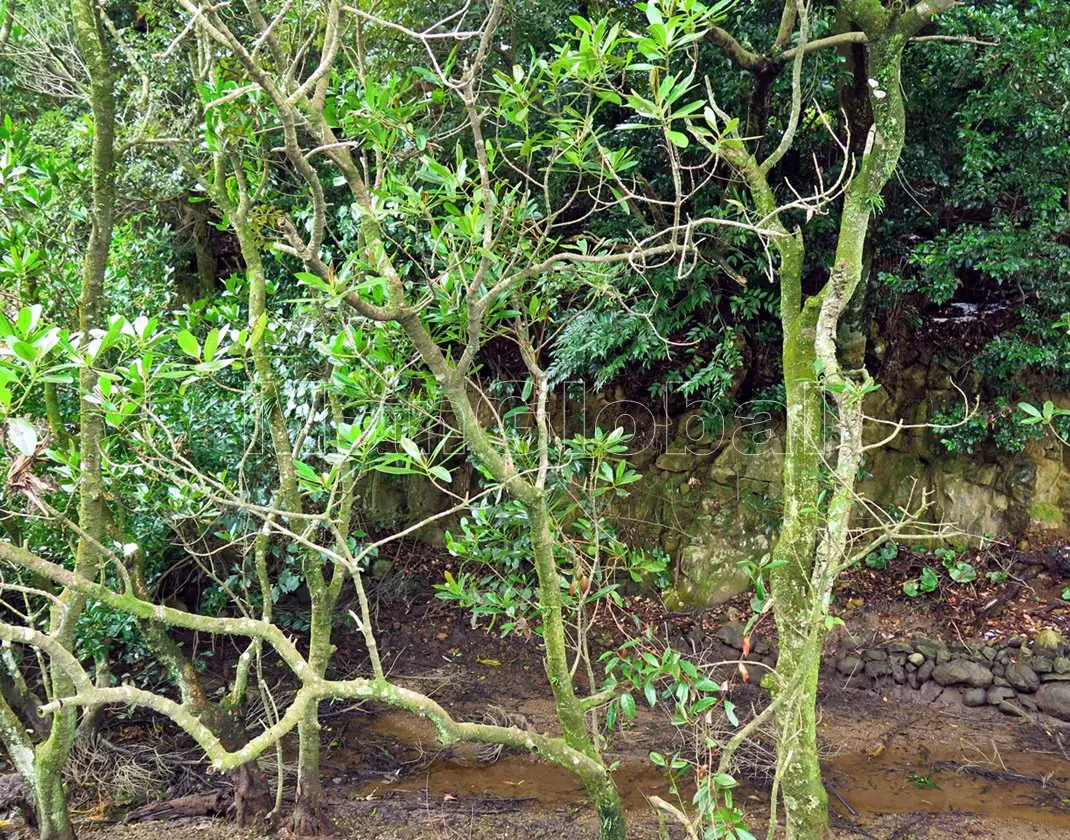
[[931, 778]]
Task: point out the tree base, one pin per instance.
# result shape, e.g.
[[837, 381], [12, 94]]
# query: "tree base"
[[308, 820], [252, 799]]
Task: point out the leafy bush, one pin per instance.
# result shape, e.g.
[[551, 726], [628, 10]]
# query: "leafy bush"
[[994, 424], [687, 333]]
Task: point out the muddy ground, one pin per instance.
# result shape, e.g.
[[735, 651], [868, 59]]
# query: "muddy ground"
[[896, 769]]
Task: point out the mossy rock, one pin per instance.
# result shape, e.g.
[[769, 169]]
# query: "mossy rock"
[[710, 570], [1046, 514], [1048, 643]]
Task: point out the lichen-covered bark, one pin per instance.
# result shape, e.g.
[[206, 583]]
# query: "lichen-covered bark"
[[799, 771], [302, 109], [203, 252], [314, 689], [307, 816], [51, 755], [252, 801], [794, 681], [815, 541], [569, 707], [810, 550]]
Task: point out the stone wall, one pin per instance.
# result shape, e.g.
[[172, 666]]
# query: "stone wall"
[[987, 493], [713, 501], [1012, 674], [1009, 674]]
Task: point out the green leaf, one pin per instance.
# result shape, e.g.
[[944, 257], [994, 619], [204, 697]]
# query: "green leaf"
[[25, 351], [27, 319], [392, 470], [115, 329], [643, 107], [258, 329], [58, 378], [211, 344], [441, 473], [313, 281], [411, 449], [580, 23], [703, 704], [687, 110], [305, 471], [213, 366], [188, 344], [678, 138], [627, 704]]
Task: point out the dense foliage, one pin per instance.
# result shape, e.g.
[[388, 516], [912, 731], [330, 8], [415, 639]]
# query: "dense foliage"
[[246, 294]]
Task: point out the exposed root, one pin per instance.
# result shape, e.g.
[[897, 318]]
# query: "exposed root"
[[133, 773], [754, 759], [308, 819], [497, 716]]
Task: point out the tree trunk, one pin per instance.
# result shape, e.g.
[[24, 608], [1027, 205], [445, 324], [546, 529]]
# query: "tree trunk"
[[798, 758], [570, 713], [308, 811], [307, 818], [93, 716], [800, 626], [51, 755], [811, 549], [50, 798], [203, 251], [800, 636], [608, 808], [252, 798], [569, 708]]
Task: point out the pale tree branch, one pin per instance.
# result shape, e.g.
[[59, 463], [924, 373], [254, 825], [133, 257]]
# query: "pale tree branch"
[[788, 137], [7, 25]]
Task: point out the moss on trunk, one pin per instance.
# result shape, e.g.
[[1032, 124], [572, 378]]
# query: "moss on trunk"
[[51, 755]]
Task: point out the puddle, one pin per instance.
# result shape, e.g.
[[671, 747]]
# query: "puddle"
[[461, 771], [898, 782], [894, 782]]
